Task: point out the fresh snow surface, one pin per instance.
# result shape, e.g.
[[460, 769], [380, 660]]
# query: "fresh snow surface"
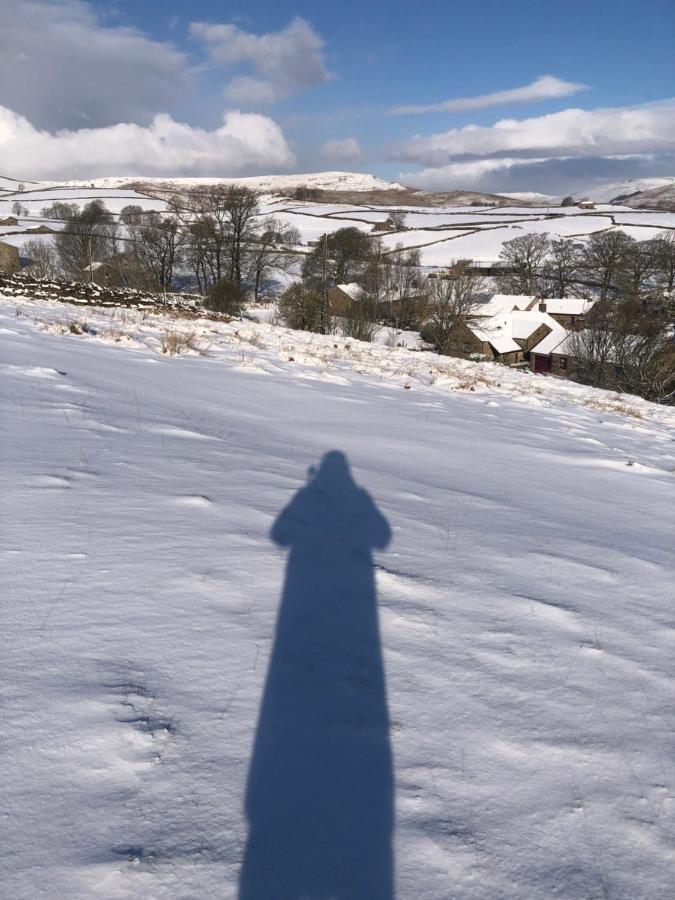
[[227, 674]]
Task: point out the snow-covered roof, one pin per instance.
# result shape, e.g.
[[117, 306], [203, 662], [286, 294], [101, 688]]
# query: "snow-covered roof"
[[568, 306], [552, 342], [502, 330], [502, 343], [505, 303], [496, 333], [525, 323], [352, 290]]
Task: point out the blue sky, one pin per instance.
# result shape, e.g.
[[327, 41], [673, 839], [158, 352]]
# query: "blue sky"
[[411, 91]]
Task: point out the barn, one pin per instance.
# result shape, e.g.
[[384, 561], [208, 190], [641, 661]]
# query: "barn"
[[9, 258]]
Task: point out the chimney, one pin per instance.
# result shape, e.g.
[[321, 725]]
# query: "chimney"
[[542, 306]]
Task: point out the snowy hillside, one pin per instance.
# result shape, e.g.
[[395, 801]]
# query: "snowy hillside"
[[609, 192], [439, 658], [327, 181]]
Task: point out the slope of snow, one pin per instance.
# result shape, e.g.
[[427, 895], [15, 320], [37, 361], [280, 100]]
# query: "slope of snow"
[[607, 192], [328, 181], [502, 664]]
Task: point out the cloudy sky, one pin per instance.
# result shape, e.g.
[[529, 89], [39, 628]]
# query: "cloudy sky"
[[551, 96]]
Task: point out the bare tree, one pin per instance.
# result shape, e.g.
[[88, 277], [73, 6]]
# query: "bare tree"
[[396, 220], [221, 217], [394, 278], [524, 256], [452, 300], [602, 258], [561, 267], [664, 261], [636, 268], [19, 210], [644, 353], [268, 250], [624, 348], [44, 262], [88, 236], [593, 347], [154, 239]]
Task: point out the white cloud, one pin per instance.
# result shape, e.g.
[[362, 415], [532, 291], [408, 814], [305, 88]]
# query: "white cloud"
[[283, 62], [546, 87], [346, 149], [61, 68], [246, 143], [473, 172], [572, 132]]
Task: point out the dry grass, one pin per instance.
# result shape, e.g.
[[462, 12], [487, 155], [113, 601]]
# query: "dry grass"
[[176, 342], [470, 384], [613, 406]]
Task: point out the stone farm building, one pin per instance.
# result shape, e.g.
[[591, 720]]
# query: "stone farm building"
[[521, 330], [341, 297], [9, 258]]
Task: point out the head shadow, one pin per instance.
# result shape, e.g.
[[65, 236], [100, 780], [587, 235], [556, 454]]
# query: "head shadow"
[[319, 797]]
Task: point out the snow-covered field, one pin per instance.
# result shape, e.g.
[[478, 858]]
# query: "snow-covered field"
[[451, 674], [442, 234]]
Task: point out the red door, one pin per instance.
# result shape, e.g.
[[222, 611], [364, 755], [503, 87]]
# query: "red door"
[[542, 363]]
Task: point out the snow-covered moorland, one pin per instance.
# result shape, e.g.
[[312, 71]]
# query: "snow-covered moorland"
[[445, 670]]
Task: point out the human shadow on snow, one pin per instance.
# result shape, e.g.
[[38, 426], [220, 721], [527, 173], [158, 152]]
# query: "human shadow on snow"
[[319, 797]]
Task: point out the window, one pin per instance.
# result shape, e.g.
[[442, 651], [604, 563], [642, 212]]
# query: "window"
[[562, 362], [467, 348]]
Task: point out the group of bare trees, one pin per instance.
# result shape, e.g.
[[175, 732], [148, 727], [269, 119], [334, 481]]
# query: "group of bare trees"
[[610, 264], [212, 234], [626, 347]]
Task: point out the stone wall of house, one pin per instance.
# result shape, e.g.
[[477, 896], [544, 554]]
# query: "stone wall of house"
[[9, 258], [464, 344], [562, 364], [572, 323], [536, 336]]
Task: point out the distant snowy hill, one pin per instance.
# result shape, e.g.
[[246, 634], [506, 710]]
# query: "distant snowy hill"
[[325, 181], [532, 197], [616, 190]]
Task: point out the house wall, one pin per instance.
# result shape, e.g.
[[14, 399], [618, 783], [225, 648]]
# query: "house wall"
[[534, 338], [562, 365], [509, 359], [338, 302], [464, 344], [9, 258], [572, 323]]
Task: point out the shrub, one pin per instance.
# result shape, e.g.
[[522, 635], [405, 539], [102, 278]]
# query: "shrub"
[[225, 296], [304, 309]]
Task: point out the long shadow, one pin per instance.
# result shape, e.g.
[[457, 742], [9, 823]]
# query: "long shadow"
[[320, 788]]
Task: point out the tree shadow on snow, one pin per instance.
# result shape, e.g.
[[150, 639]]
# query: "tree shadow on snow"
[[320, 789]]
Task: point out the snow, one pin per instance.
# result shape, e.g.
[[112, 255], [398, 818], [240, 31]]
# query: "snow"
[[551, 342], [352, 290], [328, 181], [501, 304], [513, 704], [443, 234], [607, 192], [568, 306]]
